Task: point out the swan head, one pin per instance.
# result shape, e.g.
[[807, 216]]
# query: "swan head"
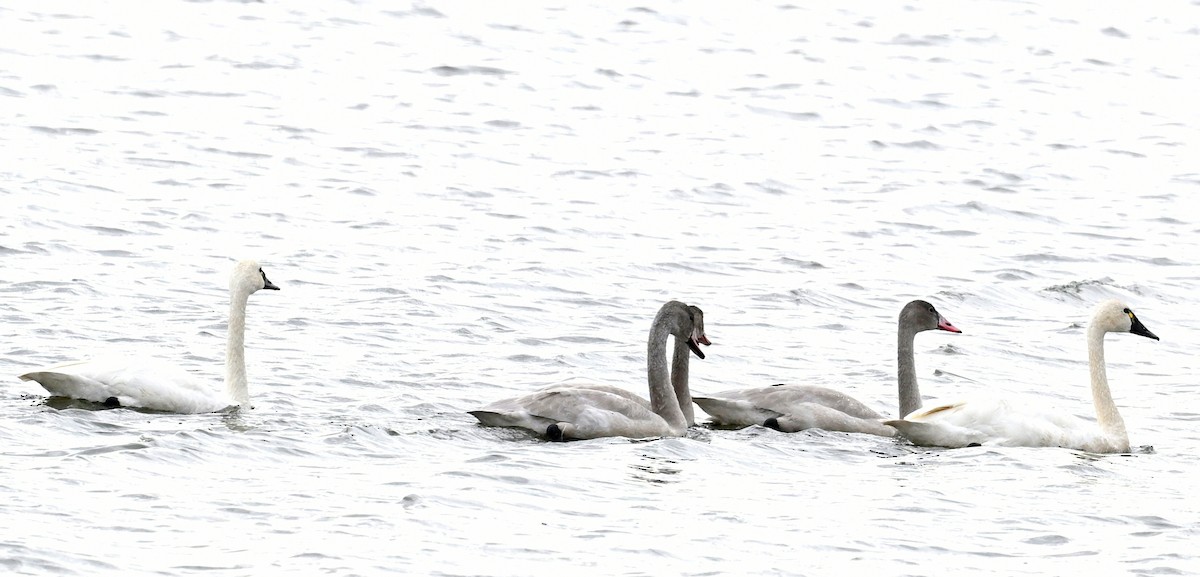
[[1114, 316], [249, 278], [685, 322], [922, 316], [697, 337]]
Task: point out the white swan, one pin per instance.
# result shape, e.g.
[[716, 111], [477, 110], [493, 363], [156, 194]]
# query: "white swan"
[[792, 408], [1025, 424], [158, 386], [587, 411]]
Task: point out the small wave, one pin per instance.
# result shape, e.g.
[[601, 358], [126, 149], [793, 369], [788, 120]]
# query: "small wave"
[[784, 113], [975, 205], [419, 11], [926, 40], [237, 153], [108, 230], [1076, 288], [914, 144], [806, 264], [157, 162], [68, 131], [468, 70], [1046, 257]]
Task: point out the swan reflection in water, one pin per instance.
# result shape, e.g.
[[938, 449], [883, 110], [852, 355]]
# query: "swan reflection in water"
[[655, 469]]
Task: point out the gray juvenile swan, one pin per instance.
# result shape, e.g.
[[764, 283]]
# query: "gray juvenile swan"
[[1012, 423], [792, 408], [591, 411], [138, 382]]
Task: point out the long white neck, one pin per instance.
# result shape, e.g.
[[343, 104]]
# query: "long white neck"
[[679, 380], [909, 392], [662, 396], [1107, 415], [235, 350]]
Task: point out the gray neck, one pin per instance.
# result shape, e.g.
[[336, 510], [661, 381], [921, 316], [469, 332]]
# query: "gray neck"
[[679, 379], [662, 396], [235, 350], [910, 394], [1106, 410]]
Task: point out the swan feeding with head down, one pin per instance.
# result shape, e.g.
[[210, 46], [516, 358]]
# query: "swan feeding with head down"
[[162, 387], [792, 408], [1005, 422], [584, 411]]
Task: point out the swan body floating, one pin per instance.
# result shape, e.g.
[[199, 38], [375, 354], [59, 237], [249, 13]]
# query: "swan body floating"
[[584, 411], [160, 386], [792, 408], [1011, 423]]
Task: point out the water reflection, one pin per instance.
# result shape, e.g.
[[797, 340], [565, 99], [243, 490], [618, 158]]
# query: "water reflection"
[[655, 470], [63, 403]]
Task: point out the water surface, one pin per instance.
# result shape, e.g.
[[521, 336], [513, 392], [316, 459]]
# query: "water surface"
[[468, 202]]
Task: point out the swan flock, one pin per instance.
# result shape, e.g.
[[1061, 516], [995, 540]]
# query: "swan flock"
[[594, 410]]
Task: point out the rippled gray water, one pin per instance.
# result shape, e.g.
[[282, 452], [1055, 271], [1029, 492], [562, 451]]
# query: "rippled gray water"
[[469, 201]]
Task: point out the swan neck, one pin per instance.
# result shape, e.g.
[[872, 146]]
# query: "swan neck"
[[909, 392], [662, 397], [1107, 414], [235, 350], [679, 380]]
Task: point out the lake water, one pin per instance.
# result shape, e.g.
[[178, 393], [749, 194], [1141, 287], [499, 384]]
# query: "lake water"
[[469, 201]]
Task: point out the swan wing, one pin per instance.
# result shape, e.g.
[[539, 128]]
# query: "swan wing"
[[733, 412], [806, 416], [620, 392], [746, 407], [779, 397], [584, 412], [956, 424], [1000, 422], [143, 384]]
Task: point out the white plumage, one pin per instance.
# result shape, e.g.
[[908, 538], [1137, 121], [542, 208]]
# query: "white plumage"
[[157, 385]]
